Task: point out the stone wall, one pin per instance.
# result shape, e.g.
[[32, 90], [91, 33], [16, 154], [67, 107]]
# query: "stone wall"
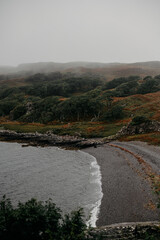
[[147, 127], [127, 231], [49, 139]]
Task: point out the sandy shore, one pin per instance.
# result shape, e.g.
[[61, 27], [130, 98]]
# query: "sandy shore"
[[127, 193]]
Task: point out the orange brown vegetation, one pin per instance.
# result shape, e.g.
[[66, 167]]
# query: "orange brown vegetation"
[[123, 121], [150, 205], [147, 104], [96, 123], [151, 138], [68, 125], [62, 99], [4, 120], [156, 116], [36, 124], [117, 99], [94, 129]]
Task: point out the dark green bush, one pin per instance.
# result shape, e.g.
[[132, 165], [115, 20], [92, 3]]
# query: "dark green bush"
[[36, 220], [118, 81], [149, 86], [139, 119], [18, 111], [116, 112]]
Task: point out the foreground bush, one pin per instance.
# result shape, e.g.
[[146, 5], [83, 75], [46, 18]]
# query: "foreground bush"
[[36, 220]]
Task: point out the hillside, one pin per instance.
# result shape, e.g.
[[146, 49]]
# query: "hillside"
[[67, 103], [107, 70]]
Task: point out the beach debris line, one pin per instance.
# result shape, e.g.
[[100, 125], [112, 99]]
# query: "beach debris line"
[[152, 176], [49, 138]]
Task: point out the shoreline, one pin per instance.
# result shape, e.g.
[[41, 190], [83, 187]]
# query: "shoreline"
[[49, 139], [122, 190], [125, 194], [96, 208], [94, 179], [83, 167]]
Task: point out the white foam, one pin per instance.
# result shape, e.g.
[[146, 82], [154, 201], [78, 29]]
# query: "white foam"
[[95, 208]]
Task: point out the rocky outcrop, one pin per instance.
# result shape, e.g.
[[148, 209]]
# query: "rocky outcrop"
[[127, 231], [146, 127], [49, 139], [29, 108]]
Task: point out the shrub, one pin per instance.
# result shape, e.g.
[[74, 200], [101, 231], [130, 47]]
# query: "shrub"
[[35, 220], [116, 112], [139, 119], [17, 112]]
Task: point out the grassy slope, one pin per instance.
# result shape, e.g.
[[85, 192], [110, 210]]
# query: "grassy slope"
[[151, 138], [84, 129], [148, 105]]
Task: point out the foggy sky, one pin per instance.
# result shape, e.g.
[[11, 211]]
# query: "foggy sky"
[[79, 30]]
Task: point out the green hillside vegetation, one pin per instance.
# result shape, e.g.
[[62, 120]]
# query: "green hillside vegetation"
[[90, 105]]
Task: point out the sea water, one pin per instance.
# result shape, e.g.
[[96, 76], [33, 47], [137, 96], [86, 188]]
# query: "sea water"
[[71, 178]]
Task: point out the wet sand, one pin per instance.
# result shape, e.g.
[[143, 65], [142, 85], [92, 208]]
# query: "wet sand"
[[127, 193]]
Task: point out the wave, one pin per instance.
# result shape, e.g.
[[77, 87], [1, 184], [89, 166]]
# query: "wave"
[[96, 178]]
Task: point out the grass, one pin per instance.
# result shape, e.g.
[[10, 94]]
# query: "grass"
[[146, 105], [133, 106], [84, 129], [150, 138]]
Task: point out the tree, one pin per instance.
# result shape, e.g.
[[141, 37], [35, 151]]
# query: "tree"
[[35, 220], [17, 112], [126, 89], [31, 220], [74, 225], [116, 112], [118, 81], [149, 86], [139, 120]]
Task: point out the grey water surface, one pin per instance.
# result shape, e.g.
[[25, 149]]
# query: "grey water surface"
[[70, 178]]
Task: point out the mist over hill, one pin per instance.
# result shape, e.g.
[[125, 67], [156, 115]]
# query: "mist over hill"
[[45, 67], [107, 70]]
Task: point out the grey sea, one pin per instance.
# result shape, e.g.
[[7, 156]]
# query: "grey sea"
[[72, 179]]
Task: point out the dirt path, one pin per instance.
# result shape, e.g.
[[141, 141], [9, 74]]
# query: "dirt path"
[[129, 172]]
